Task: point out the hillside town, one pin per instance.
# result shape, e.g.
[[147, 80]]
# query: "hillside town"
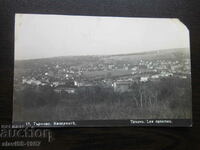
[[119, 77]]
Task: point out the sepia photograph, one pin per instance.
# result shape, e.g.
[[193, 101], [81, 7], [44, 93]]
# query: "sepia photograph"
[[70, 67]]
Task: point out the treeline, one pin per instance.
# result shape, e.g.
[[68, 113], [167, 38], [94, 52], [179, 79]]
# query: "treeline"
[[167, 98]]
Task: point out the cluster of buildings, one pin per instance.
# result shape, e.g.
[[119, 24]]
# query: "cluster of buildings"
[[68, 79]]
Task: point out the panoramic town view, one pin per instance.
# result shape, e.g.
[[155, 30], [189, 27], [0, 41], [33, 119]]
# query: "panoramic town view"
[[100, 68], [142, 85]]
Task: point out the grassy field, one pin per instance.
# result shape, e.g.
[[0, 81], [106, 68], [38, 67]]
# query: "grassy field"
[[101, 74], [165, 100]]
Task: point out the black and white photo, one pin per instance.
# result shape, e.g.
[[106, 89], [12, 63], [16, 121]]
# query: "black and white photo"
[[76, 68]]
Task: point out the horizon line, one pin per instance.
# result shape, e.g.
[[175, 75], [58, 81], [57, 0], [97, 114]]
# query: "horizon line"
[[135, 53]]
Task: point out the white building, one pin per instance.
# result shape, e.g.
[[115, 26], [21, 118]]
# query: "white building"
[[144, 79], [121, 86]]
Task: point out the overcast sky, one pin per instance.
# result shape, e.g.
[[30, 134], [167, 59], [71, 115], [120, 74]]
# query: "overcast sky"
[[41, 36]]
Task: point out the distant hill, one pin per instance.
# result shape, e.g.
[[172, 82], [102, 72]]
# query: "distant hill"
[[169, 54], [179, 50]]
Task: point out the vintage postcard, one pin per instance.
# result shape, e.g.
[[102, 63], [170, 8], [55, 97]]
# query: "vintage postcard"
[[101, 71]]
